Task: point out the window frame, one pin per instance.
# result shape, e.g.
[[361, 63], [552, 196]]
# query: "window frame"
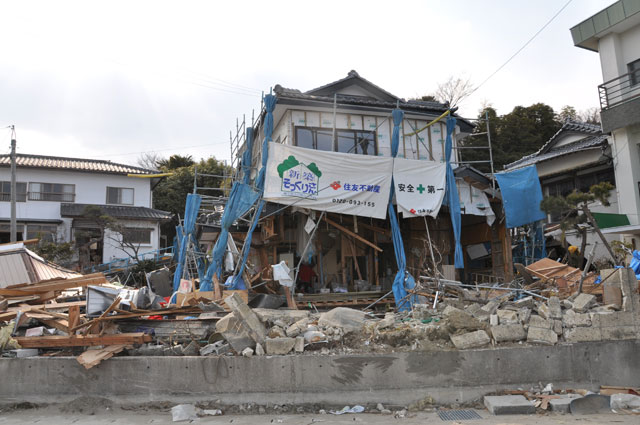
[[60, 194], [633, 69], [128, 231], [314, 138], [133, 195], [6, 196], [53, 234]]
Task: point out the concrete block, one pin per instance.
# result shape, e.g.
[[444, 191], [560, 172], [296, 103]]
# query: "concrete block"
[[512, 332], [473, 308], [525, 302], [555, 308], [247, 352], [541, 336], [615, 333], [571, 319], [234, 333], [494, 320], [557, 327], [536, 321], [342, 317], [561, 405], [297, 328], [26, 352], [544, 311], [582, 334], [299, 346], [219, 348], [583, 302], [629, 287], [286, 316], [470, 340], [509, 405], [507, 317], [259, 350], [619, 318], [524, 314], [491, 307], [278, 346], [247, 317]]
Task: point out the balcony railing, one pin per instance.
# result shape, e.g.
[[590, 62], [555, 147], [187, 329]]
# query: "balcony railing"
[[621, 89]]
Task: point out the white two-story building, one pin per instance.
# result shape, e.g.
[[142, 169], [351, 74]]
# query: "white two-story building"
[[615, 34], [53, 194]]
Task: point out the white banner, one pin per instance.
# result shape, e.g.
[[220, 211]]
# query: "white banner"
[[474, 201], [419, 186], [328, 181]]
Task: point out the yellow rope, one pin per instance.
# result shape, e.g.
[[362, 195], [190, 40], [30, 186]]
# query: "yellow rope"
[[447, 112]]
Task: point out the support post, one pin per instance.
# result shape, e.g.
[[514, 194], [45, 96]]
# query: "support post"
[[13, 224]]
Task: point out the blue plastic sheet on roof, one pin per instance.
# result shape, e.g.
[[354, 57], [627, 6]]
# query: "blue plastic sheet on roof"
[[189, 225], [270, 104], [521, 196], [241, 199], [401, 282], [451, 195], [246, 157]]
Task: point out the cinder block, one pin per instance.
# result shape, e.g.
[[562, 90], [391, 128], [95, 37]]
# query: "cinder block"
[[618, 332], [561, 405], [541, 336], [503, 333], [509, 405], [470, 340], [582, 334]]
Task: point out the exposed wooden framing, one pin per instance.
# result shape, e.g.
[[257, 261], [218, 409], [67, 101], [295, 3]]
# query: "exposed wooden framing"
[[74, 317], [505, 237], [430, 143], [91, 324], [82, 340], [376, 262], [355, 259], [350, 233], [53, 285]]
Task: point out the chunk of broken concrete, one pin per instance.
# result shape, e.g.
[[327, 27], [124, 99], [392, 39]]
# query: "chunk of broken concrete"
[[279, 346], [511, 332], [571, 319], [299, 346], [470, 340], [342, 317], [541, 336], [234, 333], [218, 348], [247, 352], [184, 412], [509, 405], [555, 309], [247, 317], [583, 302], [297, 328], [259, 350], [506, 317]]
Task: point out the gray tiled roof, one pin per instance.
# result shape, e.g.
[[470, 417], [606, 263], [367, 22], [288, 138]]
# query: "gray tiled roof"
[[594, 139], [76, 164], [116, 211]]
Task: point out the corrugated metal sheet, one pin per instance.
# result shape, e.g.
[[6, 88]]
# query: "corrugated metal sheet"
[[79, 164], [15, 266], [13, 270]]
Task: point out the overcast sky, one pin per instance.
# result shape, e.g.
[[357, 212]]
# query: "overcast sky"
[[111, 79]]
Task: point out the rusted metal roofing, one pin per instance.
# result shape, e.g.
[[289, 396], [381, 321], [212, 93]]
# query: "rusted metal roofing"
[[19, 265], [74, 164]]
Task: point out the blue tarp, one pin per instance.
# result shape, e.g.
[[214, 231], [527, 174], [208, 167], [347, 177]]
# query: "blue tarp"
[[521, 196], [270, 104], [451, 198], [635, 263], [400, 282], [241, 199], [246, 157], [189, 225]]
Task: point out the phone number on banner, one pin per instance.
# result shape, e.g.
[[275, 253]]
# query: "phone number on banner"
[[354, 202]]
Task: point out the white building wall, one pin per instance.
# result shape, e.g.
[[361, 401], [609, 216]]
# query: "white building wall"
[[114, 249], [627, 166]]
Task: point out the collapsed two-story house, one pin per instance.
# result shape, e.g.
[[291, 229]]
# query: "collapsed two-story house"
[[328, 138]]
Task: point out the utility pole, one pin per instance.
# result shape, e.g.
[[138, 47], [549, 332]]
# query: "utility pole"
[[14, 229]]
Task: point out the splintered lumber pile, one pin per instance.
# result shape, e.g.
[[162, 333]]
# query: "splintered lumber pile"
[[563, 276]]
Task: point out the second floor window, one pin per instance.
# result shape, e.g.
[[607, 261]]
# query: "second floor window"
[[634, 72], [5, 191], [119, 195], [56, 192], [348, 141]]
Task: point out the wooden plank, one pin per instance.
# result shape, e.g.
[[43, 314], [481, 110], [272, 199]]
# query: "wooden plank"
[[94, 322], [355, 259], [74, 317], [183, 299], [290, 302], [50, 306], [350, 233], [61, 325], [91, 358], [53, 285], [50, 313], [82, 340]]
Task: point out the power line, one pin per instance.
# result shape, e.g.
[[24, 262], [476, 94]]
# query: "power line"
[[521, 48]]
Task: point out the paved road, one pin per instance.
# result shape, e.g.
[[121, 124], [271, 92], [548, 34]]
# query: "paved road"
[[52, 416]]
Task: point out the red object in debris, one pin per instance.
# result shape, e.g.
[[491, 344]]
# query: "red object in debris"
[[155, 317], [412, 211], [335, 185]]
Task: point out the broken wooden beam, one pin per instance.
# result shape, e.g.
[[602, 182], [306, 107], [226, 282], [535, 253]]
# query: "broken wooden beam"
[[91, 358], [82, 340], [350, 233], [53, 285]]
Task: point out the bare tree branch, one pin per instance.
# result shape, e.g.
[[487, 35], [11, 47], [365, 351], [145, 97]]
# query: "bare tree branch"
[[454, 91]]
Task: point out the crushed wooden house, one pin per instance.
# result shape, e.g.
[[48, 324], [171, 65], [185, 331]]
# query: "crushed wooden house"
[[323, 181]]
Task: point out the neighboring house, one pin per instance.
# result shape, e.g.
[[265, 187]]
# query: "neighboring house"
[[575, 158], [353, 115], [615, 34], [18, 265], [53, 193]]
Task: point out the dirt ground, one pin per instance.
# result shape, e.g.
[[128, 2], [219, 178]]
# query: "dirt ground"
[[111, 415]]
